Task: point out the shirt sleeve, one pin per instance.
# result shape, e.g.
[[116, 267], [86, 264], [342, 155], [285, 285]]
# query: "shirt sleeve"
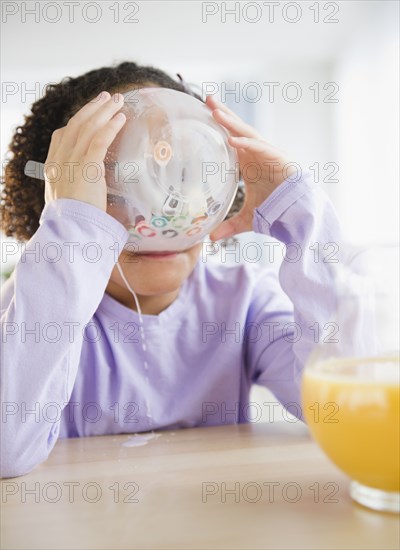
[[52, 294], [291, 309]]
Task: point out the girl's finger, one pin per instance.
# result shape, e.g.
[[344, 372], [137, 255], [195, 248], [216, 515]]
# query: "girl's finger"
[[279, 166], [225, 230], [50, 169], [73, 126], [239, 223], [248, 144], [254, 145], [236, 126], [213, 103], [93, 124], [56, 137], [103, 138]]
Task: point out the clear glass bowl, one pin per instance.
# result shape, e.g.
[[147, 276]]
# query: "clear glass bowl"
[[171, 174]]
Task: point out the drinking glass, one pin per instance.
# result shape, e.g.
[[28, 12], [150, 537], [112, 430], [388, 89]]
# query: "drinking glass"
[[350, 389]]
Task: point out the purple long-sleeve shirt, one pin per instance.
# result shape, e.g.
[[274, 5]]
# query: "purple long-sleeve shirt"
[[81, 369]]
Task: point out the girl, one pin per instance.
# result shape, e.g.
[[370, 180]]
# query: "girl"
[[73, 364]]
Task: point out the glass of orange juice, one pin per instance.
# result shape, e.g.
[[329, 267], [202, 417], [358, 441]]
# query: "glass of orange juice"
[[351, 384]]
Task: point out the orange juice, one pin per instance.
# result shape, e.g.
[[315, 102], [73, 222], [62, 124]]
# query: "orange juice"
[[352, 409]]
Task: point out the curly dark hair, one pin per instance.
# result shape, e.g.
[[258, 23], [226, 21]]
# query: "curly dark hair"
[[22, 197]]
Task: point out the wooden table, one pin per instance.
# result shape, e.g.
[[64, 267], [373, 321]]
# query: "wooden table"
[[248, 486]]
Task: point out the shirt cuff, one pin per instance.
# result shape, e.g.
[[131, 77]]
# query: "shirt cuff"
[[87, 212], [286, 194]]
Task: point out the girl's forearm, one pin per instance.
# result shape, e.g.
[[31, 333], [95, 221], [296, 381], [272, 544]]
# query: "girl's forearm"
[[300, 215], [55, 290]]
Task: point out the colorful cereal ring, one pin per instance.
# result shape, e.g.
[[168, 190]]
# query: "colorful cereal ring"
[[175, 219], [145, 230], [159, 221], [169, 233], [193, 230]]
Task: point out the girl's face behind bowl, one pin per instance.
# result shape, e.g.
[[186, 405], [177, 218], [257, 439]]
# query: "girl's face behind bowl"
[[154, 274]]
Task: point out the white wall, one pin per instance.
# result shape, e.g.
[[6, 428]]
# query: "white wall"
[[366, 131]]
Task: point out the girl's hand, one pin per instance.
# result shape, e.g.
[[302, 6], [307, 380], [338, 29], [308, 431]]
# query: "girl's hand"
[[74, 168], [261, 166]]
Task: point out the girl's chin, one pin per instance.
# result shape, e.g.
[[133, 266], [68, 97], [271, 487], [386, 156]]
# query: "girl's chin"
[[159, 255], [163, 255]]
